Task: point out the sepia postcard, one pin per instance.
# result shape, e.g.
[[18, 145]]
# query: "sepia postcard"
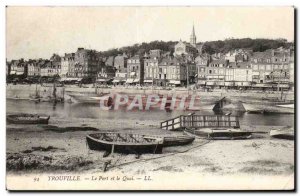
[[150, 98]]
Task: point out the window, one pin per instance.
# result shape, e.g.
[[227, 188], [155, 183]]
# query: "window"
[[261, 67], [210, 71]]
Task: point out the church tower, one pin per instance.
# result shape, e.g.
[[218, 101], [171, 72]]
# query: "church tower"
[[193, 38]]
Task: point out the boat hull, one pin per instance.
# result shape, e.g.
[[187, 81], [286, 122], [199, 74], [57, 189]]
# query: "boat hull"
[[124, 148], [264, 109], [12, 119], [229, 135], [178, 141], [279, 134], [91, 98], [284, 136], [220, 134]]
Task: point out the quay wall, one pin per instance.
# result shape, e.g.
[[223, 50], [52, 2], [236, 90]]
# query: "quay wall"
[[25, 91], [231, 94]]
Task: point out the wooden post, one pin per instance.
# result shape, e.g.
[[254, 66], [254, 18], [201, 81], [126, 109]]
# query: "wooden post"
[[173, 124], [237, 121], [112, 149], [180, 121], [193, 123]]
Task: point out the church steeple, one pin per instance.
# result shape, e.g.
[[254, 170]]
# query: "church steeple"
[[193, 37]]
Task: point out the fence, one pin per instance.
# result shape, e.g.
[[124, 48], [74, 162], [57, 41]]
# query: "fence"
[[200, 121]]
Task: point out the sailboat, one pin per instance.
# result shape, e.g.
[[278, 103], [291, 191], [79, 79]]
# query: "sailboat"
[[36, 98]]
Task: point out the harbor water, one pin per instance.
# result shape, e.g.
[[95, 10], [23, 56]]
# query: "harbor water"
[[93, 111]]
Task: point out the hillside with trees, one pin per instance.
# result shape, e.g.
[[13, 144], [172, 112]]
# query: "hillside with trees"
[[257, 45], [210, 47], [141, 48]]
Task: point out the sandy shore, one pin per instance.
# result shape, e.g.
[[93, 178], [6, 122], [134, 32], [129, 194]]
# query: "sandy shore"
[[55, 148]]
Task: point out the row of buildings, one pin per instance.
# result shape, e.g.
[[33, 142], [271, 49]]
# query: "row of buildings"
[[188, 64]]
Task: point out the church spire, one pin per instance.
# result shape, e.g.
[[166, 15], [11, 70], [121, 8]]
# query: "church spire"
[[193, 33], [193, 37]]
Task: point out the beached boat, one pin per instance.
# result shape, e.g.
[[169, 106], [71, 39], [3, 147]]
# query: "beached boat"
[[178, 140], [17, 98], [284, 133], [27, 119], [220, 133], [124, 143], [224, 135], [264, 107], [88, 97], [174, 140]]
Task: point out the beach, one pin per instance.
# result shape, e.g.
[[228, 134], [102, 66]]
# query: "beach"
[[61, 147]]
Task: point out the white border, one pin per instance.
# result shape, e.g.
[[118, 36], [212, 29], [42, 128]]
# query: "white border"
[[3, 3]]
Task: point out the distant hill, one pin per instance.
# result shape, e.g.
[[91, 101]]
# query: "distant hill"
[[210, 47], [141, 48], [257, 45]]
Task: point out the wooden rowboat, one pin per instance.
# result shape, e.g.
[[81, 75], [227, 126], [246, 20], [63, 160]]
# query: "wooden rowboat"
[[173, 140], [285, 133], [178, 140], [229, 135], [220, 133], [27, 119], [124, 143]]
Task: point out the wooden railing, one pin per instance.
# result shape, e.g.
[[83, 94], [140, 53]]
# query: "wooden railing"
[[171, 124], [200, 121]]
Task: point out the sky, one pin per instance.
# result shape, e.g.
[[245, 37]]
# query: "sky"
[[38, 32]]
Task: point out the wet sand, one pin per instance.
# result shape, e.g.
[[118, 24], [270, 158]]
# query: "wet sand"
[[48, 148]]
